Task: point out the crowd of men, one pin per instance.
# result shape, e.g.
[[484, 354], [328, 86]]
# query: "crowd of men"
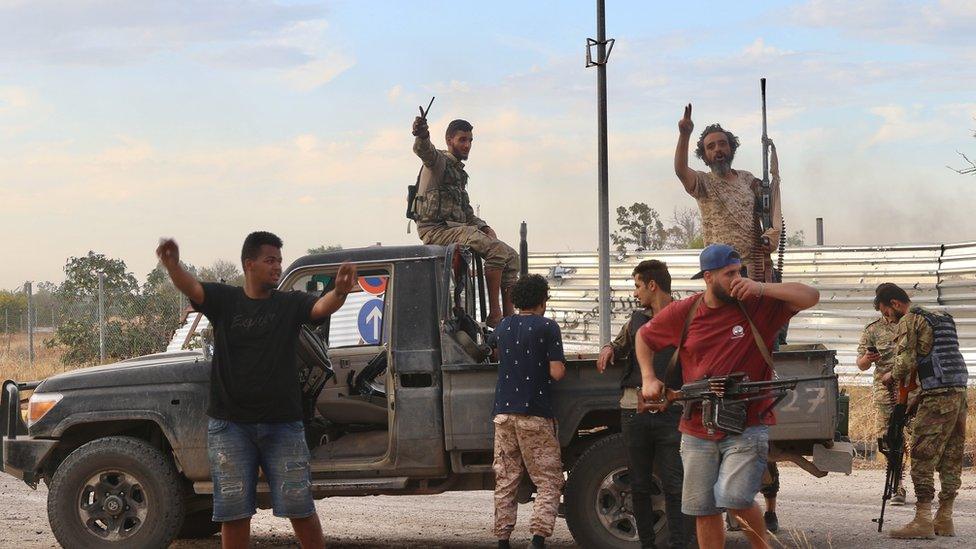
[[731, 327]]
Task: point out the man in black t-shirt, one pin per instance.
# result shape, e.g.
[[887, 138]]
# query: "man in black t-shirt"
[[255, 399]]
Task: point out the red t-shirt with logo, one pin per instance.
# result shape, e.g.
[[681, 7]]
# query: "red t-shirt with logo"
[[719, 342]]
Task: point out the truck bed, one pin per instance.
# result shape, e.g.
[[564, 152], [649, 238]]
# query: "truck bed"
[[808, 413]]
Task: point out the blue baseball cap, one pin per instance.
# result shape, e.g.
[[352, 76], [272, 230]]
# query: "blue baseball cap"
[[716, 256]]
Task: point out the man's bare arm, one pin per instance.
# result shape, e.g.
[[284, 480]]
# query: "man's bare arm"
[[332, 301], [681, 169], [651, 386], [797, 296], [557, 369], [169, 256]]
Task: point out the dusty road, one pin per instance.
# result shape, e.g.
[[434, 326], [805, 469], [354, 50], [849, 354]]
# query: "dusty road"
[[835, 511]]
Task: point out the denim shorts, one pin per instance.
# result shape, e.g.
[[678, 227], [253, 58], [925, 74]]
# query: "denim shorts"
[[236, 450], [723, 474]]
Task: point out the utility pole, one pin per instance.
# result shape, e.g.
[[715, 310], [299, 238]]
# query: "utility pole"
[[101, 318], [28, 289], [603, 48]]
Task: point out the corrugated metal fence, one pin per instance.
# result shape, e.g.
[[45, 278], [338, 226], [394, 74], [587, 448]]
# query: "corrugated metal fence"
[[937, 276]]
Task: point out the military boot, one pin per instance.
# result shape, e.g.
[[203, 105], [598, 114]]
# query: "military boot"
[[920, 527], [943, 518]]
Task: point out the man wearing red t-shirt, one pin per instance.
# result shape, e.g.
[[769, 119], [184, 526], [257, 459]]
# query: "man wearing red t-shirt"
[[722, 471]]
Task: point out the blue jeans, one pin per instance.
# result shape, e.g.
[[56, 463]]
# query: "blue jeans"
[[723, 474], [237, 449]]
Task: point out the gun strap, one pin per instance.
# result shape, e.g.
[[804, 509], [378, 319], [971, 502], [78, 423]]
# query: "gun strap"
[[684, 333], [756, 335]]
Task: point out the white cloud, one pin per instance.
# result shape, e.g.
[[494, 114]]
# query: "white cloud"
[[935, 22], [394, 93], [760, 49], [317, 73]]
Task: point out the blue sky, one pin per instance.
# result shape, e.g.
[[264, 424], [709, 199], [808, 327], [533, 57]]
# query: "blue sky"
[[122, 121]]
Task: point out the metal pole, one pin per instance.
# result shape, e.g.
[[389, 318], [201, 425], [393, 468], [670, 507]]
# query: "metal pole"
[[523, 250], [820, 232], [101, 318], [29, 290], [603, 188]]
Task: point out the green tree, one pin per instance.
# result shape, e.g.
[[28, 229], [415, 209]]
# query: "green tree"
[[222, 271], [12, 306], [639, 225], [138, 319], [325, 248], [796, 240], [685, 231]]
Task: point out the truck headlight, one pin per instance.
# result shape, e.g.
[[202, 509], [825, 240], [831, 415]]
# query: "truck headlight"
[[39, 405]]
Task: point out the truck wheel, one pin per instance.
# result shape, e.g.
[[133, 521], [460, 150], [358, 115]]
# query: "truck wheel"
[[115, 492], [598, 499]]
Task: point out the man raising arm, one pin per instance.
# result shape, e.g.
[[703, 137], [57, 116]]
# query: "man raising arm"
[[255, 411]]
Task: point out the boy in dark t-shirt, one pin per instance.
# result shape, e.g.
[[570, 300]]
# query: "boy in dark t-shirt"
[[255, 401], [530, 351]]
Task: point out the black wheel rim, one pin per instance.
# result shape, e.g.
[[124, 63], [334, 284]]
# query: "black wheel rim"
[[614, 506], [112, 505]]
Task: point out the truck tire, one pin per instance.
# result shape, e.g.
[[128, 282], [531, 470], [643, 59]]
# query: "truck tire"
[[598, 499], [115, 492]]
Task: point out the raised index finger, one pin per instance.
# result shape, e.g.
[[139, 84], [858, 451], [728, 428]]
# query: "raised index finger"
[[688, 112]]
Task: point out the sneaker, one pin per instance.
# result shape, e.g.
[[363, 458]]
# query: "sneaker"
[[899, 497], [772, 522]]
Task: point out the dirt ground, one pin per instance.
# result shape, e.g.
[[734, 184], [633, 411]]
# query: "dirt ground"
[[835, 511]]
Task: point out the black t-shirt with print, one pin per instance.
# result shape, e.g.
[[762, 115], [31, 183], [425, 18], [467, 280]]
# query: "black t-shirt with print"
[[253, 377], [526, 345]]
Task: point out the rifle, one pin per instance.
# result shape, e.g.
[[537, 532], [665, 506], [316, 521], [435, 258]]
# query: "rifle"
[[765, 192], [724, 398], [892, 445]]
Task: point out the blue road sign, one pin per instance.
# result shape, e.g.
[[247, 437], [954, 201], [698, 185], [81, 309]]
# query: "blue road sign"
[[371, 321]]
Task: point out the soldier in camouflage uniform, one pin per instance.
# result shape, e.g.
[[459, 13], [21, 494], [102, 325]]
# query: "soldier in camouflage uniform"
[[880, 334], [444, 214], [530, 351], [727, 201], [926, 346]]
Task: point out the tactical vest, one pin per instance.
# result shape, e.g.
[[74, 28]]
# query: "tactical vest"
[[944, 366], [632, 373]]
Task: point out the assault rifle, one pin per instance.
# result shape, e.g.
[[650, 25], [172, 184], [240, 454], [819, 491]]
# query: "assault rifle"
[[724, 399], [892, 445]]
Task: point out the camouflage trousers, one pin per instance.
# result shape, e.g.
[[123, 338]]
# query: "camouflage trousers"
[[496, 253], [937, 443], [526, 444]]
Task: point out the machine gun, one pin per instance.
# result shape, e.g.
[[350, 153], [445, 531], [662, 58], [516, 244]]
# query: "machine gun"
[[892, 445], [724, 399]]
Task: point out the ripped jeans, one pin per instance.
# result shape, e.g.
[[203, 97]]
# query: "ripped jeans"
[[237, 449]]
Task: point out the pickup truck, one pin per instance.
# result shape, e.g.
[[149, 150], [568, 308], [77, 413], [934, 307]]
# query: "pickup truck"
[[398, 391]]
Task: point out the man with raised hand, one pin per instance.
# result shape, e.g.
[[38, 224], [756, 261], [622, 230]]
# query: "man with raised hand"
[[717, 333], [728, 200], [444, 214], [255, 408]]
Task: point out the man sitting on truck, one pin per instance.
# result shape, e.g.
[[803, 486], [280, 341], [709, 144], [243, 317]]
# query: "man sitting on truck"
[[530, 351], [729, 328], [444, 214], [255, 408], [652, 440]]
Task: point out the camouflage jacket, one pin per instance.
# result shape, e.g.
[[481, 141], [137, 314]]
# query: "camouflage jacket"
[[880, 334], [914, 339], [442, 196]]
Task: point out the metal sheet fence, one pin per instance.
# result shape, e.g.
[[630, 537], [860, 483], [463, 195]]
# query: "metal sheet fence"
[[938, 276]]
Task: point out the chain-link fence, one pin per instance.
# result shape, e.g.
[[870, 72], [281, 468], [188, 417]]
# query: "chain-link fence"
[[46, 334]]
